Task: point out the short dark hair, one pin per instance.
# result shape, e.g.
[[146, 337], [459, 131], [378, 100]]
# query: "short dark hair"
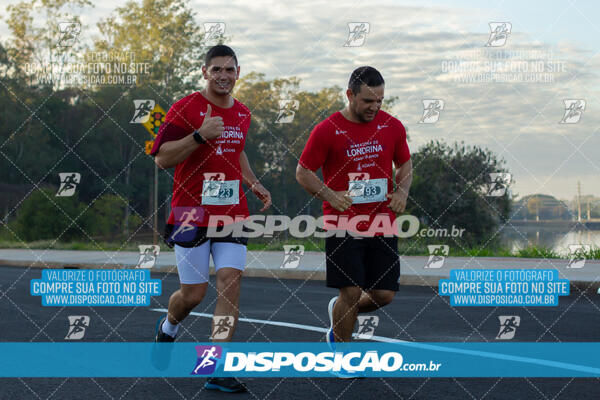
[[219, 50], [367, 75]]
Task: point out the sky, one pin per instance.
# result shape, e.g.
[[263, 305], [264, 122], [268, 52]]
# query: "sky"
[[437, 50]]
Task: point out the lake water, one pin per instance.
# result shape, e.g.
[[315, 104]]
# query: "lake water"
[[555, 238]]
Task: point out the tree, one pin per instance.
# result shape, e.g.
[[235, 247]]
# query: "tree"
[[105, 217], [45, 216], [275, 148], [162, 33], [448, 189], [42, 52]]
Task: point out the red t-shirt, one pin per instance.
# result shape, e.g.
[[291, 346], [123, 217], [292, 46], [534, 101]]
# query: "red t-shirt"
[[219, 159], [347, 150]]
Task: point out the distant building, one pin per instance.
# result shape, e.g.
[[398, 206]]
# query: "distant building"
[[589, 206], [537, 207]]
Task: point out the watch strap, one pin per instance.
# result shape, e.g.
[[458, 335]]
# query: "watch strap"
[[198, 138]]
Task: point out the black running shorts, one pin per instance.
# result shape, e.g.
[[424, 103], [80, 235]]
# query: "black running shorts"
[[368, 262]]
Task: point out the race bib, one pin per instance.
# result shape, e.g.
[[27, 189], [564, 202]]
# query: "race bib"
[[220, 193], [368, 191]]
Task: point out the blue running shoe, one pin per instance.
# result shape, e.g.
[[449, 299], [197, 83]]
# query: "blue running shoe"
[[230, 385], [330, 337], [345, 374]]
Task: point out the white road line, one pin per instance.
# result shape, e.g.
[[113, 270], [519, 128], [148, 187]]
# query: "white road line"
[[486, 354], [288, 325]]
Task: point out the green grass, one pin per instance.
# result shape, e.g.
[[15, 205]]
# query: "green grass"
[[52, 245], [594, 254], [537, 252], [407, 247], [276, 245], [416, 246], [486, 252]]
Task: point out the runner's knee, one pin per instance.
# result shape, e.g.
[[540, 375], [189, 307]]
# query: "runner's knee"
[[350, 295], [382, 298], [193, 296], [228, 280]]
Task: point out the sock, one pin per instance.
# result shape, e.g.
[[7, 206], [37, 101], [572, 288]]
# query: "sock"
[[169, 328]]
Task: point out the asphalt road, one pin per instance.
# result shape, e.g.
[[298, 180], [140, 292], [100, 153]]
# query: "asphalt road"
[[417, 314]]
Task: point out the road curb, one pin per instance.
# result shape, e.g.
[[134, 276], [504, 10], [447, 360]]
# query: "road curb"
[[300, 274]]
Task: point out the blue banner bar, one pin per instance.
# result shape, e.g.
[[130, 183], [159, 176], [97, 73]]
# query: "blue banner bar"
[[285, 359]]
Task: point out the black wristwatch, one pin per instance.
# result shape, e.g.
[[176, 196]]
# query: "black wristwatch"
[[198, 138]]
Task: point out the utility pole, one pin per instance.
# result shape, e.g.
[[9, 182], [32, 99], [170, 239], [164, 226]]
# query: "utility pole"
[[155, 224], [578, 201], [152, 125]]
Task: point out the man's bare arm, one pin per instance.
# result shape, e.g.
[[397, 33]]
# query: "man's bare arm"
[[316, 187], [247, 174], [172, 153], [403, 178], [253, 183]]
